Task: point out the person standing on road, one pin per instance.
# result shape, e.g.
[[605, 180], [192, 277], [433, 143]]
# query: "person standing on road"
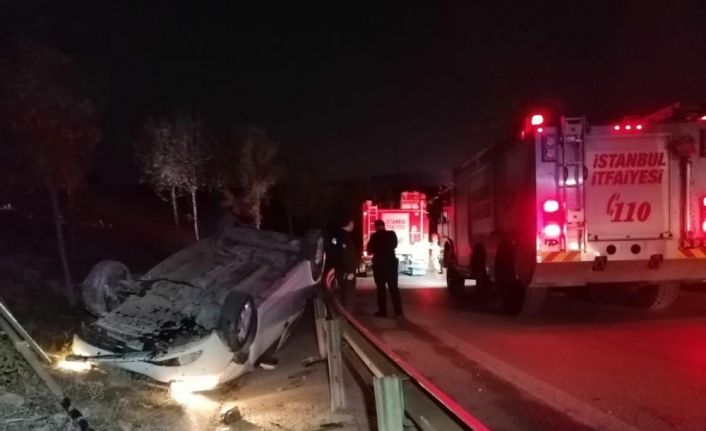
[[382, 245], [435, 253], [345, 260]]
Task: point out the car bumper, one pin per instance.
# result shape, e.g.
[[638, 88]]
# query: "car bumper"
[[213, 364]]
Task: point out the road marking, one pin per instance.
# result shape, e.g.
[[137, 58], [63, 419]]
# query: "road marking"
[[575, 408]]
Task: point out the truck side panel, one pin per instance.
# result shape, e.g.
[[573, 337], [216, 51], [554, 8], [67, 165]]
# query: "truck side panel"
[[461, 218]]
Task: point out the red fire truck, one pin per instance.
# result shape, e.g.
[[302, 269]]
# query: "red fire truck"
[[570, 204], [411, 224]]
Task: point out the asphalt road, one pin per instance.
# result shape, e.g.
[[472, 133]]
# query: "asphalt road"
[[578, 366]]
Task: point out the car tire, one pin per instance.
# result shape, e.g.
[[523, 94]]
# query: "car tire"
[[313, 251], [238, 324], [99, 289], [655, 297]]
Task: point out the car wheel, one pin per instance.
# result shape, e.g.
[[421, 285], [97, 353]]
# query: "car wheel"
[[313, 251], [99, 289], [238, 323]]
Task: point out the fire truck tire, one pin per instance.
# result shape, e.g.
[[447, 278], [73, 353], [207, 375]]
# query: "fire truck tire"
[[454, 281], [655, 297], [479, 272], [517, 298], [448, 255]]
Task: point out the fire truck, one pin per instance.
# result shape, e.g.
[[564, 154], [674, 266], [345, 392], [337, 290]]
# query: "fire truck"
[[410, 223], [571, 204]]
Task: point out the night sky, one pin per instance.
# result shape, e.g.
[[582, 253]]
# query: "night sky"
[[351, 84]]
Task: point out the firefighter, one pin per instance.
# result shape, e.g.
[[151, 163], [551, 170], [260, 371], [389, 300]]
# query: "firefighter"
[[435, 253], [345, 259], [382, 245]]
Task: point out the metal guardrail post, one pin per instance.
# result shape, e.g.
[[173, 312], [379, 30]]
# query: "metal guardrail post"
[[25, 348], [389, 403], [5, 312], [320, 322], [335, 364]]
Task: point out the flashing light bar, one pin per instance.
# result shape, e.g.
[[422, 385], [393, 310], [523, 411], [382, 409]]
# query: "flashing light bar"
[[627, 127]]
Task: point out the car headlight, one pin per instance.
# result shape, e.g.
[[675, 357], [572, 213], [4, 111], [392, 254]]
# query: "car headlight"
[[189, 358], [185, 359]]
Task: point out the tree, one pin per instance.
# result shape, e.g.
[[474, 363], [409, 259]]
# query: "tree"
[[304, 194], [174, 155], [193, 151], [258, 172], [158, 162], [52, 127]]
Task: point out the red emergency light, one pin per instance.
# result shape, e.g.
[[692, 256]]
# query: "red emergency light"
[[552, 230], [552, 219], [550, 206], [537, 120], [627, 127]]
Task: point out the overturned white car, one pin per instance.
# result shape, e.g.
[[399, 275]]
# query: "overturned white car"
[[206, 314]]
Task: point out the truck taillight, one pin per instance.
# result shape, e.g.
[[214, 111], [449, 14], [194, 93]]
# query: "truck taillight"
[[703, 214], [552, 230], [550, 206]]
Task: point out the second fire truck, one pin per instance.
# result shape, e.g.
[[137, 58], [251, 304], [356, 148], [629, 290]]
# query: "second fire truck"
[[410, 223], [571, 204]]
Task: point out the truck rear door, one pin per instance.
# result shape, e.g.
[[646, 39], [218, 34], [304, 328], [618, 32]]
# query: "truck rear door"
[[627, 186]]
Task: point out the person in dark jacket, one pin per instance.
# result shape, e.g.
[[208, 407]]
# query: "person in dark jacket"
[[382, 245], [345, 260]]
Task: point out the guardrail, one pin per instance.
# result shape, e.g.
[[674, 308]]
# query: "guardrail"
[[402, 394], [38, 360]]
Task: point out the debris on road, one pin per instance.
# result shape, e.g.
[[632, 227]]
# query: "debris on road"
[[231, 416]]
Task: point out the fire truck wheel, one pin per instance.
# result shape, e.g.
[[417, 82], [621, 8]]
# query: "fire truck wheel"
[[655, 297], [454, 281], [448, 254], [479, 272], [517, 298]]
